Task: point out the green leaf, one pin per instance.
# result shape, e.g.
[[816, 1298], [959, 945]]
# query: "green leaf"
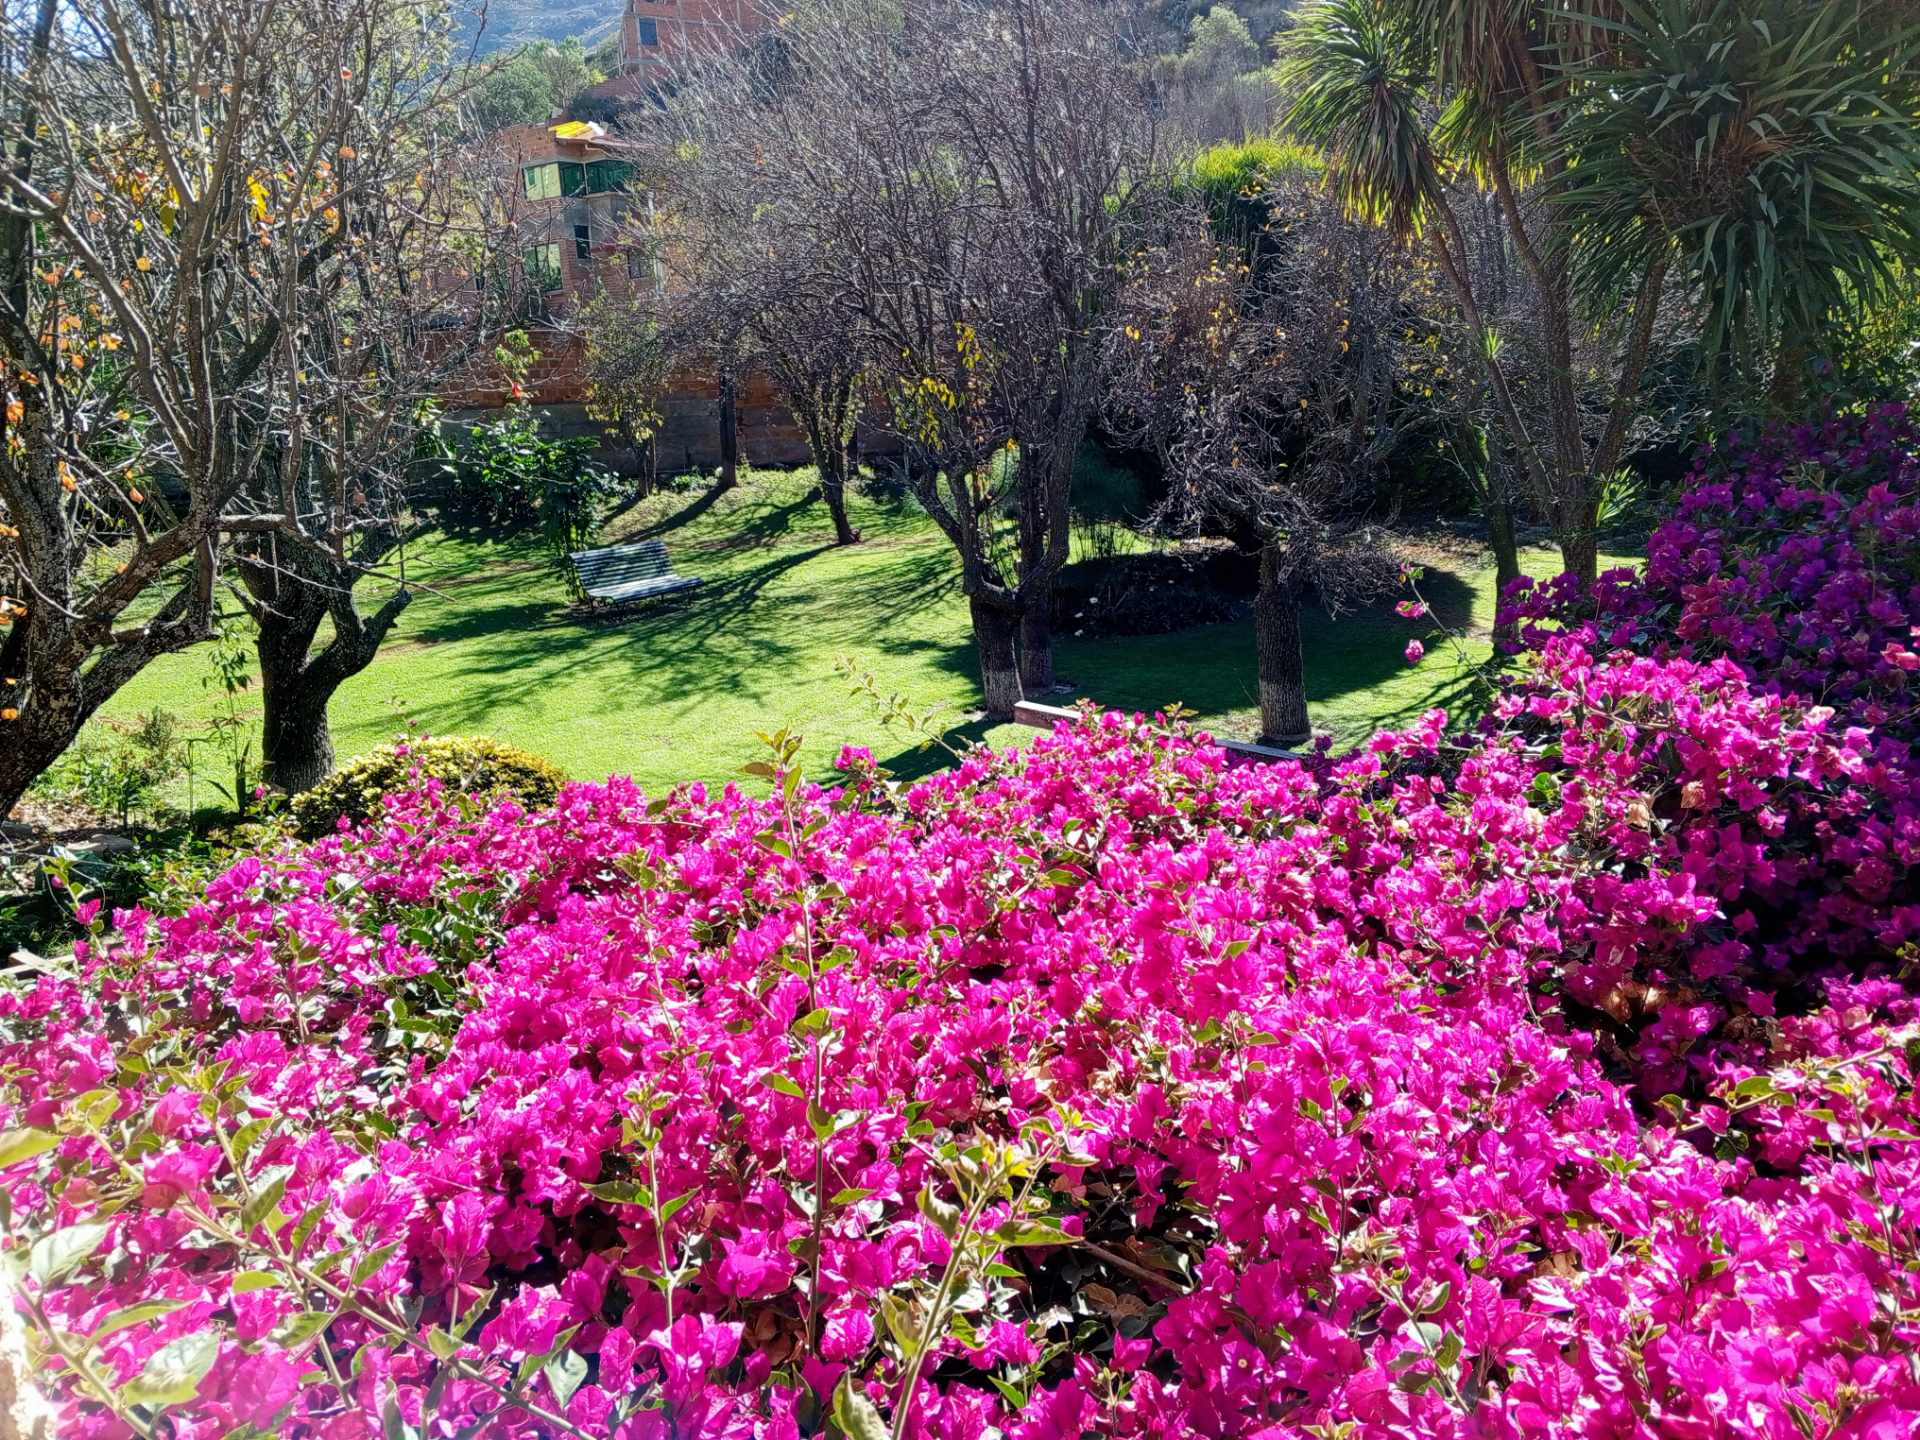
[[820, 1122], [1032, 1232], [565, 1374], [246, 1282], [943, 1215], [248, 1135], [621, 1192], [265, 1197], [371, 1262], [443, 1345], [127, 1315], [901, 1324], [855, 1414], [849, 1196], [300, 1327], [304, 1227], [173, 1373], [784, 1086], [54, 1257], [814, 1022], [1014, 1395], [24, 1144], [393, 1425], [674, 1206]]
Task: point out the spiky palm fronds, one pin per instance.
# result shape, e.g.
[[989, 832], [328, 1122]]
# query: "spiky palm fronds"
[[1356, 74], [1764, 145]]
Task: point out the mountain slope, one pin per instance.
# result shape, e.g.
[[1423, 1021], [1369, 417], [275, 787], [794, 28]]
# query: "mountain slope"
[[504, 24]]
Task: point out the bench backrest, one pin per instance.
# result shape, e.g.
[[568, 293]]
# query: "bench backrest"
[[621, 564]]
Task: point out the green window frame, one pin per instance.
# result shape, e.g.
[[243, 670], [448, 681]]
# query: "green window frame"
[[554, 180], [608, 177], [543, 268], [542, 181]]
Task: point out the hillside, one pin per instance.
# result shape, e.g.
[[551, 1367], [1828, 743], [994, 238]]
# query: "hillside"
[[504, 24]]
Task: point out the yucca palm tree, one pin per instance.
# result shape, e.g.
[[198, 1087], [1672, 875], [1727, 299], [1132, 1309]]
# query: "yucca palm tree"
[[1753, 164]]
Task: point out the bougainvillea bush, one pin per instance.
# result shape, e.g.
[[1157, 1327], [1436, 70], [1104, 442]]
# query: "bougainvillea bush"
[[1552, 1080]]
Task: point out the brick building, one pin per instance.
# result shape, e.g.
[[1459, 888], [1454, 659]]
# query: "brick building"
[[575, 208], [574, 214], [654, 32]]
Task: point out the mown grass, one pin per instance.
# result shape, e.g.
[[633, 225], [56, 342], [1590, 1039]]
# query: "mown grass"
[[676, 692]]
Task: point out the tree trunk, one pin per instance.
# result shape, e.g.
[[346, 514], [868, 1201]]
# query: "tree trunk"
[[1283, 673], [999, 670], [1506, 550], [1787, 392], [297, 683], [729, 433], [1036, 643], [1579, 545], [32, 743], [1036, 615], [830, 464], [296, 745], [55, 692], [296, 748], [833, 487], [647, 473]]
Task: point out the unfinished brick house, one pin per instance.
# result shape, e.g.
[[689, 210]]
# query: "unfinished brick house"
[[573, 206]]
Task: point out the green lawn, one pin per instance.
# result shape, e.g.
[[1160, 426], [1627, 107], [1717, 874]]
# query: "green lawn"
[[677, 692]]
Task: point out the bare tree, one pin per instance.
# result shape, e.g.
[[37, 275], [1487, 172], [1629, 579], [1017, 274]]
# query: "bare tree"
[[211, 218], [1263, 370], [739, 303], [957, 185]]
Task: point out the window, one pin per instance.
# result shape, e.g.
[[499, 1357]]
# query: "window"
[[555, 179], [543, 182], [583, 241], [649, 31], [543, 268], [606, 177]]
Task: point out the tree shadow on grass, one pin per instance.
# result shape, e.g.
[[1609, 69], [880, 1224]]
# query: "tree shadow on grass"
[[916, 762], [1213, 670], [716, 640], [909, 586], [685, 515]]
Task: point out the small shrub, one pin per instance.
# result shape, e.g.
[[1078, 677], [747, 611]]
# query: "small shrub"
[[478, 767], [123, 773]]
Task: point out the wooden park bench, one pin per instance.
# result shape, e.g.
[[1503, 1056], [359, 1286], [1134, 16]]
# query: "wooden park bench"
[[623, 574]]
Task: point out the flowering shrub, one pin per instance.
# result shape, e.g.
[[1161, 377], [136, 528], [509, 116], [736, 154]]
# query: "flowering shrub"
[[471, 765], [1451, 1089], [1793, 562], [1796, 553]]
